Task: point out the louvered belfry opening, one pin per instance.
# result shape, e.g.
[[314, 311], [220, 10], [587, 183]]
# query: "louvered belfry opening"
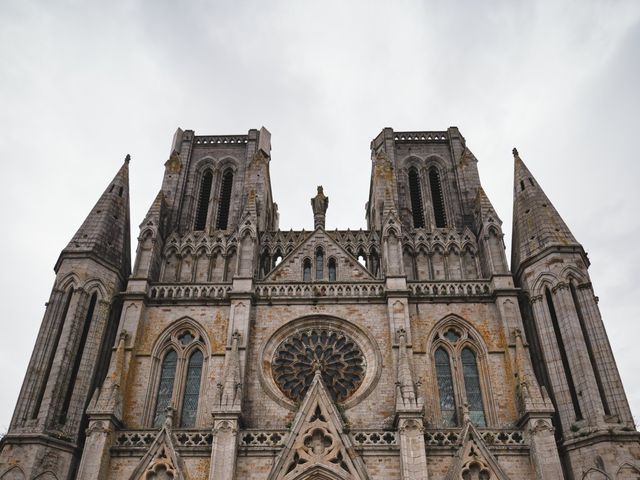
[[225, 200], [203, 201], [437, 198], [416, 198]]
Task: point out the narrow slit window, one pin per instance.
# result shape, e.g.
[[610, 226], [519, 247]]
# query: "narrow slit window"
[[437, 198], [332, 269], [592, 359], [416, 198], [192, 390], [445, 388], [54, 348], [165, 387], [225, 200], [319, 264], [203, 201], [71, 383], [563, 356], [306, 270], [472, 387]]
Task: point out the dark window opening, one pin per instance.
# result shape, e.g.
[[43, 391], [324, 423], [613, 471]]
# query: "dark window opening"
[[472, 387], [332, 269], [445, 388], [592, 359], [71, 384], [319, 264], [111, 188], [306, 270], [54, 348], [203, 201], [437, 198], [521, 185], [225, 200], [192, 390], [531, 182], [563, 356], [165, 387], [416, 198], [120, 190]]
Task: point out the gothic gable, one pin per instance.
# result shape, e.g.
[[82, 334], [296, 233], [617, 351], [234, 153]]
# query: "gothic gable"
[[291, 268], [161, 460], [317, 447], [474, 460]]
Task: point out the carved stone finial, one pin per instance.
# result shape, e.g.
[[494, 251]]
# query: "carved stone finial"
[[127, 159], [515, 152], [319, 205]]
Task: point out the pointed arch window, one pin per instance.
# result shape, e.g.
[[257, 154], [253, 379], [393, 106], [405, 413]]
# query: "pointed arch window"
[[437, 198], [445, 388], [165, 387], [306, 270], [472, 386], [416, 198], [225, 199], [179, 379], [459, 376], [192, 390], [203, 201], [332, 269], [319, 264]]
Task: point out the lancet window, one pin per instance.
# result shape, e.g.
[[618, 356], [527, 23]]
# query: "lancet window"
[[462, 388], [224, 203], [332, 269], [319, 264], [416, 198], [178, 378], [437, 198], [203, 201]]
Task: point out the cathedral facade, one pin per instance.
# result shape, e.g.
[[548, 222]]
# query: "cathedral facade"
[[231, 349]]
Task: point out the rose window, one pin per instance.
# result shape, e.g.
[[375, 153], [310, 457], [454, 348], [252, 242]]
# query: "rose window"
[[336, 355]]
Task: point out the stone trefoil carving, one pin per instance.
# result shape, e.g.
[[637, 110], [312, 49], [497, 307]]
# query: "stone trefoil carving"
[[335, 355]]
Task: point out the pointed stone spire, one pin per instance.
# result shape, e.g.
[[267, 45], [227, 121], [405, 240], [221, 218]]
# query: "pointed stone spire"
[[105, 232], [537, 225]]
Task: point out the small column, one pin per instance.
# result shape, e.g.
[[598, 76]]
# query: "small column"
[[319, 204]]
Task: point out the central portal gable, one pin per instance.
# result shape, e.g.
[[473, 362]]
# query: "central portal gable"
[[317, 447], [346, 266]]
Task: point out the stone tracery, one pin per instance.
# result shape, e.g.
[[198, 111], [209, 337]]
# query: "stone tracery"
[[335, 354]]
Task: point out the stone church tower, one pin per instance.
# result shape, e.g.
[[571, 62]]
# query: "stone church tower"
[[235, 350]]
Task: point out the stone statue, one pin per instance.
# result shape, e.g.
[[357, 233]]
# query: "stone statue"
[[319, 204]]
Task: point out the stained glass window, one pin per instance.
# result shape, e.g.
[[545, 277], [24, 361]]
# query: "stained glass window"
[[332, 269], [165, 387], [319, 264], [472, 387], [191, 390], [445, 388], [306, 270]]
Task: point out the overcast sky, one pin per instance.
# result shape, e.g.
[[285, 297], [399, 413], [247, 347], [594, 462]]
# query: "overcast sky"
[[84, 83]]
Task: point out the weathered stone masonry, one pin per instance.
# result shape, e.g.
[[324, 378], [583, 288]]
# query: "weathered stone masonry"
[[235, 350]]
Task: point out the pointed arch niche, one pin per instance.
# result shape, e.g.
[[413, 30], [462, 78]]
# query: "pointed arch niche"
[[458, 357], [177, 375]]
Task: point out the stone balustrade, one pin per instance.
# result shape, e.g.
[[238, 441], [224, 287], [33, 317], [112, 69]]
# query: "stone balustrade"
[[454, 288]]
